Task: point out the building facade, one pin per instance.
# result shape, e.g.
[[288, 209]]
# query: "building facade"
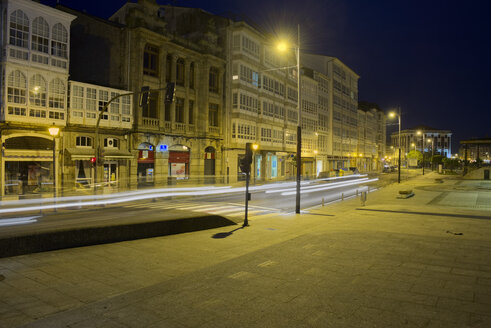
[[35, 54], [423, 139]]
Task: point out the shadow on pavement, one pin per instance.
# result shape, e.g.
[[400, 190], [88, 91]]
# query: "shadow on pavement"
[[221, 235], [467, 216]]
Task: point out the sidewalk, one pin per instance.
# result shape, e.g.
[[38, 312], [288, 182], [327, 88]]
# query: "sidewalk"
[[416, 262]]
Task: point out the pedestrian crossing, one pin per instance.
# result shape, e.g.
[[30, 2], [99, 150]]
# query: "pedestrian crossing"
[[225, 209]]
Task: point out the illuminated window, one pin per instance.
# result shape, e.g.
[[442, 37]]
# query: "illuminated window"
[[37, 91]]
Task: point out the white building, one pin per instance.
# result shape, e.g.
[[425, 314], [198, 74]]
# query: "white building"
[[35, 45]]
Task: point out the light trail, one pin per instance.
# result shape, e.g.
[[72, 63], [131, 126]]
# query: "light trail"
[[340, 184], [327, 187], [17, 221]]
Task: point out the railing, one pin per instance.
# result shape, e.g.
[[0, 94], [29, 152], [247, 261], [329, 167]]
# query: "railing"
[[214, 129], [168, 126], [179, 127], [150, 122]]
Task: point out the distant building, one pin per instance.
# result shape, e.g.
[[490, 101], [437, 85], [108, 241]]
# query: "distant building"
[[422, 138], [476, 149]]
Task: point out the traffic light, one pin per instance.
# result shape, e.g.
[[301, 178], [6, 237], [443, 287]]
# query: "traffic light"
[[170, 93], [246, 161], [93, 160], [144, 96]]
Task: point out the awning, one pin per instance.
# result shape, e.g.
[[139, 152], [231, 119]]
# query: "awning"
[[81, 153], [117, 154]]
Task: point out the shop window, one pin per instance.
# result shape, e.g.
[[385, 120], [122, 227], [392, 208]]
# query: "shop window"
[[150, 60]]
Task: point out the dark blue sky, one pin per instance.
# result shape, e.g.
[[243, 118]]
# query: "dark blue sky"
[[430, 57]]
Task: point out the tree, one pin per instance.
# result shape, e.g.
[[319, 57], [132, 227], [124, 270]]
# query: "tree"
[[451, 163], [415, 154]]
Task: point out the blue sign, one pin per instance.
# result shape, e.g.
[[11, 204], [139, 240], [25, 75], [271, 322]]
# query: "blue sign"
[[163, 147]]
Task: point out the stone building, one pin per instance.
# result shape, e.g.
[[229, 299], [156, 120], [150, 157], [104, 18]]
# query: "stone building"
[[371, 137], [35, 54], [135, 48]]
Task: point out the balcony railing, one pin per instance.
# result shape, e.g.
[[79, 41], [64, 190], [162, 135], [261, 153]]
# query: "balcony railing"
[[150, 122], [214, 129], [179, 127]]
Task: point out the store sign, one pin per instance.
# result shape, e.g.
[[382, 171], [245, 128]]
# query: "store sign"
[[178, 170]]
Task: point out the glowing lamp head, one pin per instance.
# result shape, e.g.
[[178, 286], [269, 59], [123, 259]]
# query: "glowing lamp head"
[[392, 114], [282, 46], [418, 133], [315, 152], [53, 131], [255, 147]]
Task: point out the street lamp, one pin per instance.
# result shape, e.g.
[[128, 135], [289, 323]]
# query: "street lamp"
[[254, 148], [315, 163], [392, 115], [432, 152], [422, 148], [282, 46], [53, 131]]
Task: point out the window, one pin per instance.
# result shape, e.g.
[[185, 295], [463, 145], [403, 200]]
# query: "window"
[[126, 105], [91, 100], [59, 42], [16, 91], [167, 112], [103, 99], [40, 35], [82, 141], [111, 143], [179, 110], [77, 97], [150, 60], [150, 110], [56, 94], [37, 91], [213, 115], [180, 72], [191, 112], [168, 68], [114, 106], [191, 76], [57, 115], [213, 81], [19, 29], [16, 111], [37, 113]]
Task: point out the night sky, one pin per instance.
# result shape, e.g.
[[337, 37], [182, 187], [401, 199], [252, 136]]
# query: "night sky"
[[430, 57]]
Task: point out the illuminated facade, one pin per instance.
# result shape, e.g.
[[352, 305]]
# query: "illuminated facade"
[[35, 54], [431, 140]]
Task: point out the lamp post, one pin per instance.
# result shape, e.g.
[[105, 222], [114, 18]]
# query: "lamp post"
[[422, 148], [393, 114], [282, 47], [53, 131], [432, 153], [254, 149]]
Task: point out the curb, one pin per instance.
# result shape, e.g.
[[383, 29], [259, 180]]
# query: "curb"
[[54, 240]]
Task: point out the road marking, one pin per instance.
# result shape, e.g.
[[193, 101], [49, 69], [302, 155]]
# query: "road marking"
[[266, 264]]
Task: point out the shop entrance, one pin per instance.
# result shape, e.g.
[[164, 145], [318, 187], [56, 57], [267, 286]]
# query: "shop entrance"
[[28, 177], [209, 165], [146, 165], [111, 174]]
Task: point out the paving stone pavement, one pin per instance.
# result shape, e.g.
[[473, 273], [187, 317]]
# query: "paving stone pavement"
[[392, 263]]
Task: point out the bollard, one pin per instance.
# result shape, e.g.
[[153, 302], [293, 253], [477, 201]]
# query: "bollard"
[[342, 196], [322, 201], [363, 198], [356, 192]]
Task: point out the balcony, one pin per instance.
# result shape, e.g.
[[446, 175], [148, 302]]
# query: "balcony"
[[179, 127], [148, 122], [214, 129]]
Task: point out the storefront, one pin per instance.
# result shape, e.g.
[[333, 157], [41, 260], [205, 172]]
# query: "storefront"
[[179, 162], [209, 168], [146, 165], [27, 164]]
